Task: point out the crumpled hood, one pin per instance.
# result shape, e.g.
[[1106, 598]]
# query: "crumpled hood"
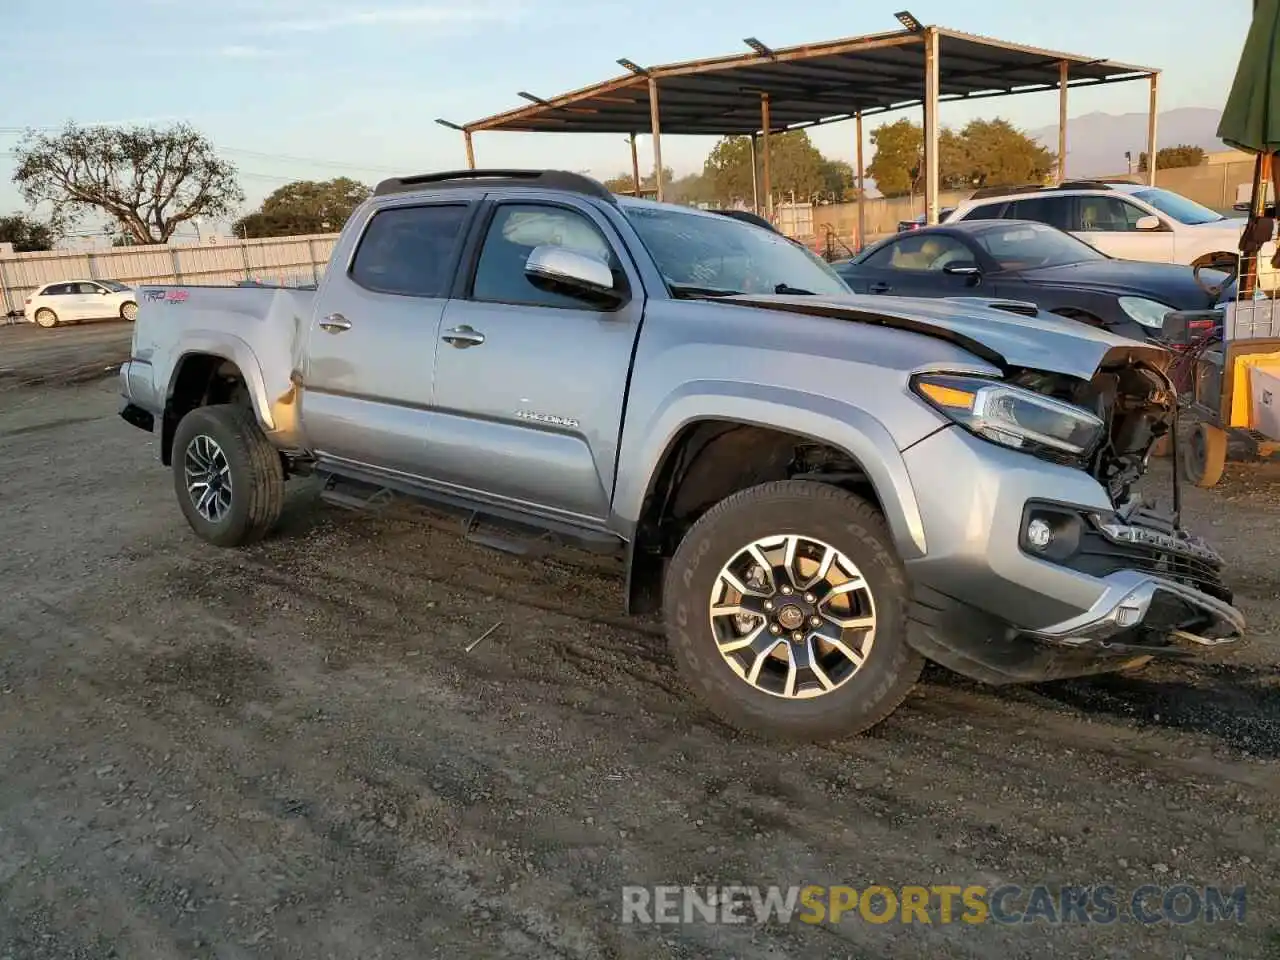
[[1042, 342]]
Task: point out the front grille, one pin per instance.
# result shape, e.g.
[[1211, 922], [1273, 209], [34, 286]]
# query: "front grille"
[[1098, 556]]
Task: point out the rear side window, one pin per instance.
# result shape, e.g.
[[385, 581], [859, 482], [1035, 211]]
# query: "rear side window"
[[986, 211], [1055, 211], [57, 290], [409, 251]]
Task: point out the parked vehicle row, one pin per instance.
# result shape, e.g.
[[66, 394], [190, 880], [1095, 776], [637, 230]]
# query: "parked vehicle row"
[[818, 489]]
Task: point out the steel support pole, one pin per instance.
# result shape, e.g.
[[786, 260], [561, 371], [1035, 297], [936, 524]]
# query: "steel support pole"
[[755, 178], [1151, 129], [471, 150], [862, 189], [654, 114], [764, 146], [1063, 75], [931, 125], [635, 164]]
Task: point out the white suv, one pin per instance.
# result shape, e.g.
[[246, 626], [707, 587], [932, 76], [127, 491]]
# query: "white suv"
[[1129, 221], [70, 300]]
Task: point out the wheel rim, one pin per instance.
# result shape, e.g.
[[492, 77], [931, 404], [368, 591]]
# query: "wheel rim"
[[1199, 453], [208, 477], [45, 318], [130, 311], [792, 616]]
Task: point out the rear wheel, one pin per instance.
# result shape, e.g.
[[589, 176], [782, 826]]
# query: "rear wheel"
[[227, 475], [1204, 456], [786, 609], [46, 318]]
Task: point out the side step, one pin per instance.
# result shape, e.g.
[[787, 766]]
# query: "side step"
[[479, 527]]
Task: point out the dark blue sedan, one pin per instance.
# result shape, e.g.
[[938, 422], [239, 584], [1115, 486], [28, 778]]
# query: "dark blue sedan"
[[1022, 260]]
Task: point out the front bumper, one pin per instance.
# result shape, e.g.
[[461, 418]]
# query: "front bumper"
[[985, 607]]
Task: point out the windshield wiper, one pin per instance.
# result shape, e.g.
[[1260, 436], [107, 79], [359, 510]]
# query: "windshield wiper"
[[794, 291], [691, 290]]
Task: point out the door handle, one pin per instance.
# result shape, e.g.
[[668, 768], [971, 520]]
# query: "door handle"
[[879, 287], [463, 336], [335, 323]]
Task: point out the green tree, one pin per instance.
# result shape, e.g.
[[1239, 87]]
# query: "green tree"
[[839, 180], [149, 180], [796, 167], [27, 234], [899, 155], [1167, 158], [983, 153], [998, 154], [304, 206]]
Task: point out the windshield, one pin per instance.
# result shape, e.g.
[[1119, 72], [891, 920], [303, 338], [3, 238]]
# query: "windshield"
[[113, 286], [1025, 246], [708, 254], [1178, 206]]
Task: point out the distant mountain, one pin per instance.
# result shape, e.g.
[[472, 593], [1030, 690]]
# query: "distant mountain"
[[1096, 142]]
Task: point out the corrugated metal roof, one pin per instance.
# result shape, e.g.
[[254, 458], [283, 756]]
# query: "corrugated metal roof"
[[807, 85]]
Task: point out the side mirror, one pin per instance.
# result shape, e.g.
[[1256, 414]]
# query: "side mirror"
[[962, 268], [1149, 222], [576, 273]]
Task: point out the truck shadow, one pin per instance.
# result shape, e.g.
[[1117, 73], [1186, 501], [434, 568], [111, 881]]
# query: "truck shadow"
[[1240, 706]]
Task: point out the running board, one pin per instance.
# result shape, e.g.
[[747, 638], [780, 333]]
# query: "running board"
[[479, 525]]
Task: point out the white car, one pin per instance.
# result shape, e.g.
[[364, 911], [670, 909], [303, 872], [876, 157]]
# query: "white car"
[[1130, 221], [69, 301]]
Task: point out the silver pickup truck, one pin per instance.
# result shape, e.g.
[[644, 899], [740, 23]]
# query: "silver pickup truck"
[[818, 490]]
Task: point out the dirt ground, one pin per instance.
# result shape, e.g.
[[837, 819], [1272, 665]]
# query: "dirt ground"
[[288, 752]]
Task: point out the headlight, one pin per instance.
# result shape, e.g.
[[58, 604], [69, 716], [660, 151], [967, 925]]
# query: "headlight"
[[1149, 313], [1012, 416]]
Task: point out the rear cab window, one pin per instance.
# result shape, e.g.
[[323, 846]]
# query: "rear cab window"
[[410, 251]]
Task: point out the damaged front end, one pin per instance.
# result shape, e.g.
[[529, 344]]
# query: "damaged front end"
[[1165, 587]]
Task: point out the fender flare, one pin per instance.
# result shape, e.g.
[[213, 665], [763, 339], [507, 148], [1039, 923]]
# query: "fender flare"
[[821, 418], [237, 351]]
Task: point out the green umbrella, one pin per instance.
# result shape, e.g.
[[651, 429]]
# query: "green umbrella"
[[1251, 118]]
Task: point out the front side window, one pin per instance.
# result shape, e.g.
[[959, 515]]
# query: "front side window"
[[1108, 215], [408, 251], [706, 254], [114, 286], [986, 211], [1179, 207], [930, 253], [88, 289], [517, 229]]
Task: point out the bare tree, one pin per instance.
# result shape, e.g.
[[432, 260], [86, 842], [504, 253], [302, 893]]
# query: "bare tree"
[[149, 180]]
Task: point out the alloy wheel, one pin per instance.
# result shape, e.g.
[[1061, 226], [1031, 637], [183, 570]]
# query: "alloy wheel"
[[792, 616], [208, 477]]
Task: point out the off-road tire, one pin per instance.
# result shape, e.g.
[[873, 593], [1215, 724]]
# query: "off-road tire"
[[846, 522], [257, 475]]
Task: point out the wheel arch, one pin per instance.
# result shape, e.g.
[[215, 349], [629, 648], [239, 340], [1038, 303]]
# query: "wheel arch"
[[204, 375], [765, 431]]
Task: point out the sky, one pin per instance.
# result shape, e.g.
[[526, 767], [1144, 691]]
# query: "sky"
[[312, 89]]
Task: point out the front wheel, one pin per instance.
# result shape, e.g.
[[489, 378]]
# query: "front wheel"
[[228, 477], [786, 608], [1204, 457], [129, 311]]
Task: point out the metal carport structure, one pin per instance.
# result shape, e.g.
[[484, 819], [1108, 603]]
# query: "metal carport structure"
[[772, 91]]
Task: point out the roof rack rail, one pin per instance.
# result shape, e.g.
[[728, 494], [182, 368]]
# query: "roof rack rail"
[[1094, 183], [548, 179], [983, 192]]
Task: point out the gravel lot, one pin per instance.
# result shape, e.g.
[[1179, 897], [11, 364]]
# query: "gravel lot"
[[286, 751]]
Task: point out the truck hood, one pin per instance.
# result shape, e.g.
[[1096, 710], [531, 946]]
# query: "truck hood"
[[1007, 333]]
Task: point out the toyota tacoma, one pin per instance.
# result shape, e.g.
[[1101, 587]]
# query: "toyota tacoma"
[[819, 491]]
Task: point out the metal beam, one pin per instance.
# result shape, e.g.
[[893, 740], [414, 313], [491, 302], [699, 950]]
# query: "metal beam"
[[471, 150], [1151, 129], [764, 145], [635, 164], [862, 190], [655, 123], [1063, 79], [755, 178], [930, 125]]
